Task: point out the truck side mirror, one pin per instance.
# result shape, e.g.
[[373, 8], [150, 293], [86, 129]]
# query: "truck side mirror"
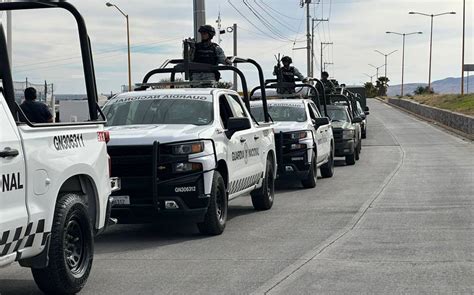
[[357, 120], [237, 124], [366, 109], [318, 122]]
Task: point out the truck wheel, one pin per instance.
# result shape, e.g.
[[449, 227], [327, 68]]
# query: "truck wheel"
[[262, 199], [310, 181], [71, 249], [357, 152], [364, 134], [216, 216], [351, 159], [327, 170]]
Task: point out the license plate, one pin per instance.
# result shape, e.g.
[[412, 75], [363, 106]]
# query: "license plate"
[[120, 200]]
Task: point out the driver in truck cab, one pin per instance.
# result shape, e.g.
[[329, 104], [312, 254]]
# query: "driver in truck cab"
[[35, 112], [208, 52]]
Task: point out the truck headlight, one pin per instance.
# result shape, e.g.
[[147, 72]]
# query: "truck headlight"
[[188, 148], [299, 135], [348, 134], [186, 167]]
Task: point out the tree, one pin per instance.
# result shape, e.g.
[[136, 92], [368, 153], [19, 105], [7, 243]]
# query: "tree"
[[382, 86], [370, 89]]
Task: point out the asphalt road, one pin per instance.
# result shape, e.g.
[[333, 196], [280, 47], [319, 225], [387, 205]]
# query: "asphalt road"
[[400, 221]]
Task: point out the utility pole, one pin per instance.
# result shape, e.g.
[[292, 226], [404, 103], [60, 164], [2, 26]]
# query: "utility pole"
[[323, 44], [235, 83], [319, 20], [326, 64], [308, 38], [463, 48], [199, 8], [219, 27]]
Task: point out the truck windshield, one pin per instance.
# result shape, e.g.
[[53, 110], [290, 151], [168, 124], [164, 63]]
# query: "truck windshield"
[[281, 113], [137, 111], [338, 114]]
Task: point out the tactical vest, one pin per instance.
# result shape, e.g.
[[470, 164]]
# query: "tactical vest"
[[288, 75], [206, 53]]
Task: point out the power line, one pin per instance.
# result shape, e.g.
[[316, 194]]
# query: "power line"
[[253, 24], [264, 21], [78, 57], [276, 11], [273, 17], [265, 35], [99, 52]]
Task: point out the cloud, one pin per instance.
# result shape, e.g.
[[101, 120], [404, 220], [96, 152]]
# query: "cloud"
[[46, 44]]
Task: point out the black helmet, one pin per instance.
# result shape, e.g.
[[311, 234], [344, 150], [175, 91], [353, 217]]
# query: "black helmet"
[[207, 29], [287, 59]]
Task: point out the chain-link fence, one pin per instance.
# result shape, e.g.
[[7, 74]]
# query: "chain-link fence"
[[44, 91]]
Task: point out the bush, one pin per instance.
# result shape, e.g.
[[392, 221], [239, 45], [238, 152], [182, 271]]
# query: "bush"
[[423, 90]]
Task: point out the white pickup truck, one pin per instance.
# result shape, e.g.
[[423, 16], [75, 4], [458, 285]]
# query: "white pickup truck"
[[184, 153], [54, 182], [304, 139]]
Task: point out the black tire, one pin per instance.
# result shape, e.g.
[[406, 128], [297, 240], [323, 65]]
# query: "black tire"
[[262, 198], [327, 170], [351, 159], [216, 216], [311, 180], [364, 134], [357, 152], [71, 248]]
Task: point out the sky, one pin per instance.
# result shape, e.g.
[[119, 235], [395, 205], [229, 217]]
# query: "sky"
[[46, 45]]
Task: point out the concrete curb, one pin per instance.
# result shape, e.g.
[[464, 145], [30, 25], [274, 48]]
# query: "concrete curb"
[[460, 124]]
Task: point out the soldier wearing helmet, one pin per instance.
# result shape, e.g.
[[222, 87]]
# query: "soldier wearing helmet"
[[329, 86], [208, 52], [286, 74]]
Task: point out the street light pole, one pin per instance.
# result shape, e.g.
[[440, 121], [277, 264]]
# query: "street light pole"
[[108, 4], [386, 58], [403, 54], [371, 78], [377, 68], [432, 16]]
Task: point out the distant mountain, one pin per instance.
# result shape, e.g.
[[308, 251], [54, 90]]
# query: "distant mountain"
[[445, 86]]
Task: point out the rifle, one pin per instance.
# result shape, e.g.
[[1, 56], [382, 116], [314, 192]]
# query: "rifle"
[[278, 68]]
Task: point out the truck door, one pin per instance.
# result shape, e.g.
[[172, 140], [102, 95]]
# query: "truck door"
[[13, 213], [242, 160], [322, 135]]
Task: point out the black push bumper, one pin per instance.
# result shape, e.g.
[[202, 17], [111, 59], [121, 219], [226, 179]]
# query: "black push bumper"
[[151, 191], [344, 148], [292, 164]]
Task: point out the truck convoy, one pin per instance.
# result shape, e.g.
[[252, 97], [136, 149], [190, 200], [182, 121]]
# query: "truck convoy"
[[55, 184], [167, 150]]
